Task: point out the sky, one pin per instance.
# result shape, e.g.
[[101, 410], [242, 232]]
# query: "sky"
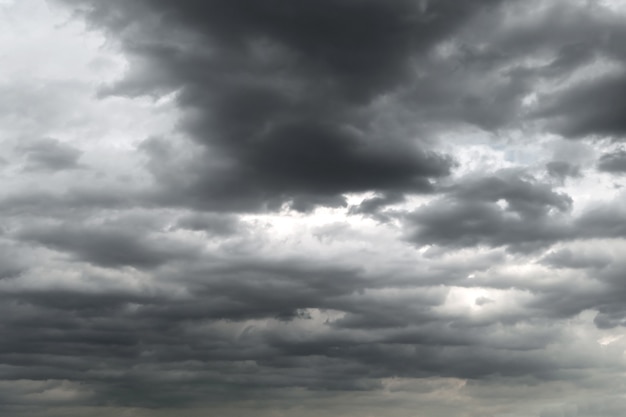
[[312, 208]]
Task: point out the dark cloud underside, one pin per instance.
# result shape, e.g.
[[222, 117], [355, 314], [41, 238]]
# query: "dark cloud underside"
[[283, 98]]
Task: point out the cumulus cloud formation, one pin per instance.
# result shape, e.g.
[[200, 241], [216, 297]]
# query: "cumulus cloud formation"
[[49, 155], [312, 208], [503, 209]]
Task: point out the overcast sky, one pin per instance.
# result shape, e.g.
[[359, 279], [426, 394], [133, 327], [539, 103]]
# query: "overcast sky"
[[313, 208]]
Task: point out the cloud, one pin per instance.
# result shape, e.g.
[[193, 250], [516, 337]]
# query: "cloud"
[[507, 208], [50, 155], [283, 111], [562, 170], [565, 258], [107, 246], [210, 223], [328, 207], [613, 162], [585, 111]]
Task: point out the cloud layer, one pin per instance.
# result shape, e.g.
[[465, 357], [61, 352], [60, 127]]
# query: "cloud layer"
[[326, 207]]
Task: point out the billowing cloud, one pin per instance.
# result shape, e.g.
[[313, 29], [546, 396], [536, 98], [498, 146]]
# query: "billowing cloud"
[[508, 208], [286, 102], [312, 208]]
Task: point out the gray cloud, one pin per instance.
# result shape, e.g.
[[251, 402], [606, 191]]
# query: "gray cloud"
[[508, 208], [565, 258], [49, 155], [375, 206], [603, 222], [613, 162], [283, 110], [593, 108], [603, 295], [210, 223], [211, 337], [562, 170], [107, 246], [590, 107], [512, 210], [328, 227]]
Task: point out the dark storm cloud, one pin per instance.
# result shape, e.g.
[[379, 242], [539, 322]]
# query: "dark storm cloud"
[[580, 39], [301, 102], [209, 344], [261, 289], [614, 162], [234, 328], [508, 208], [362, 47], [306, 165], [593, 108], [246, 67], [287, 104], [512, 209], [110, 338], [107, 246], [574, 48]]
